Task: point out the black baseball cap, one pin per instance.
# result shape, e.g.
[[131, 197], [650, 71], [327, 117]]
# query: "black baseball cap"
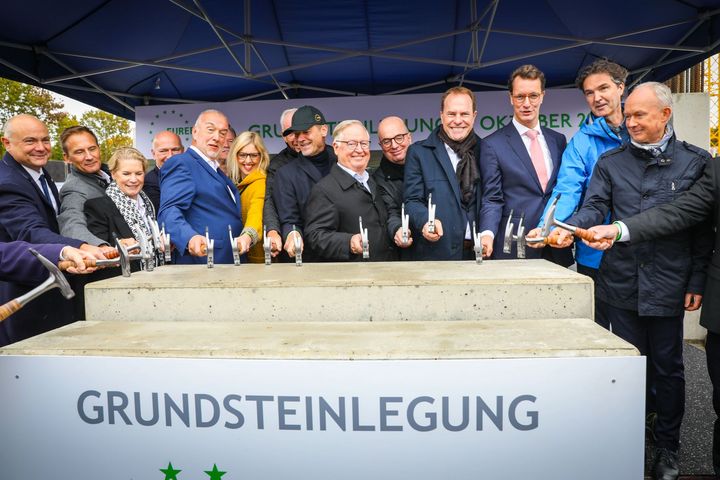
[[304, 118]]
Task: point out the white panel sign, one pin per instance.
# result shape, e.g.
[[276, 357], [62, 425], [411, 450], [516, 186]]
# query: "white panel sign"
[[562, 110], [191, 419]]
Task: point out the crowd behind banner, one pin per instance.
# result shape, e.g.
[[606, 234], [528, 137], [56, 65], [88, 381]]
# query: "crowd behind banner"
[[450, 196]]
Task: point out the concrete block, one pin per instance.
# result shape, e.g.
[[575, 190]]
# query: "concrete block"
[[528, 338], [397, 291]]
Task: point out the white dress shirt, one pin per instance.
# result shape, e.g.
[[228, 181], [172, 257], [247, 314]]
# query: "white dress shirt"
[[36, 178], [541, 138]]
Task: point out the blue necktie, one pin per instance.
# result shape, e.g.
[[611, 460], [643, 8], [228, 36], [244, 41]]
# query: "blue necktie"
[[44, 185]]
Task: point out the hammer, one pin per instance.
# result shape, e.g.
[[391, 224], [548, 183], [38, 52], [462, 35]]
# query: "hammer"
[[267, 247], [550, 222], [122, 259], [235, 249], [298, 247], [365, 241], [55, 279], [477, 246], [209, 249], [519, 238]]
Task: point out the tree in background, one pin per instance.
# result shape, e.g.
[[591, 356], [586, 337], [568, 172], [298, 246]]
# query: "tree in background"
[[112, 131], [16, 98]]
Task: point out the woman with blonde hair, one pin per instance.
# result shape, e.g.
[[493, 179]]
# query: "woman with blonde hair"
[[125, 208], [247, 163]]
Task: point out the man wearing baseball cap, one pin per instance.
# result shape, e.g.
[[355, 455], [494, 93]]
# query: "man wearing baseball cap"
[[294, 180]]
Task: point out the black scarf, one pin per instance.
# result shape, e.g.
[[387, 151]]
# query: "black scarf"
[[390, 170], [321, 161], [466, 172]]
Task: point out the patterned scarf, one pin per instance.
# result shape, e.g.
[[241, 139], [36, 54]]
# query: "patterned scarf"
[[466, 172], [656, 149], [131, 214]]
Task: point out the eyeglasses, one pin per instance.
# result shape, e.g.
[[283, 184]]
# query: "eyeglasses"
[[386, 142], [246, 156], [353, 144], [520, 99]]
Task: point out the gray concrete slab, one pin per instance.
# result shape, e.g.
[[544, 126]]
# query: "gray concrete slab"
[[397, 291], [543, 338]]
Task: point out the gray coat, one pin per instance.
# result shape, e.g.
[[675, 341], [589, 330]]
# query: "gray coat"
[[78, 188]]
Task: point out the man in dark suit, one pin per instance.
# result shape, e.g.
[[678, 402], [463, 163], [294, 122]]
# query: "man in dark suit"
[[395, 139], [695, 206], [285, 156], [164, 145], [16, 261], [294, 180], [445, 165], [196, 194], [345, 195], [524, 157], [29, 203]]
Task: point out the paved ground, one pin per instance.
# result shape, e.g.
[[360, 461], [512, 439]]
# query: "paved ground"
[[696, 432]]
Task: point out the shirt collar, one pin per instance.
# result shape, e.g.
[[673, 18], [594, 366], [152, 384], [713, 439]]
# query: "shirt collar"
[[362, 177], [213, 164], [522, 128], [34, 174]]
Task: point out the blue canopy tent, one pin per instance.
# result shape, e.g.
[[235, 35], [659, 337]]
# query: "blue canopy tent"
[[117, 54]]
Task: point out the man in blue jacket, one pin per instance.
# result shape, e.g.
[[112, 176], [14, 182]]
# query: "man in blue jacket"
[[603, 84], [195, 194], [445, 165]]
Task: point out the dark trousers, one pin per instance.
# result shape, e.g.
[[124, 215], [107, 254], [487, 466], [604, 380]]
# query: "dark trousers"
[[712, 348], [660, 339]]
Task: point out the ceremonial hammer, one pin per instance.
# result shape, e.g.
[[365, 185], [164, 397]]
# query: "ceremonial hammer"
[[550, 222], [55, 279]]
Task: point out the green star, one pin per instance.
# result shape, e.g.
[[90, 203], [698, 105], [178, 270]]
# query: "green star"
[[170, 472], [215, 474]]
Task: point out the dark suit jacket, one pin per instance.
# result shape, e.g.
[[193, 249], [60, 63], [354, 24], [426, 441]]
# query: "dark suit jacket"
[[333, 210], [428, 170], [700, 202], [25, 214], [505, 160], [194, 196], [291, 189], [18, 265], [151, 187]]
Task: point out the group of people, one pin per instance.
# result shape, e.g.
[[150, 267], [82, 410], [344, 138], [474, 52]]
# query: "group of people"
[[625, 160]]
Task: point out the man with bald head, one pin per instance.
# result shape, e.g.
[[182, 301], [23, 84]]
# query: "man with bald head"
[[394, 140], [196, 194], [642, 288], [29, 202], [164, 145]]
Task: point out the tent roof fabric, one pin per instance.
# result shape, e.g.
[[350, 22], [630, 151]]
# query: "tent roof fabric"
[[118, 54]]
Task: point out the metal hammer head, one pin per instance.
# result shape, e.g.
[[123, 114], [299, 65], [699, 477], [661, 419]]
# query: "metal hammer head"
[[521, 237], [507, 241], [234, 246], [59, 279], [549, 218], [124, 257]]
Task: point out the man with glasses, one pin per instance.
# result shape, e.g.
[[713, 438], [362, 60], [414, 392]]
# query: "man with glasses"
[[394, 142], [339, 200], [293, 182], [443, 170], [164, 145], [524, 158], [197, 195]]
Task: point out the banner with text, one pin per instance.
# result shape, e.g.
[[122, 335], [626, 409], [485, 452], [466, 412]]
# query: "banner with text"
[[190, 419], [562, 110]]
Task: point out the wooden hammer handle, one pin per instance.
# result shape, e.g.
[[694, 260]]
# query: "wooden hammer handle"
[[65, 264], [8, 309], [584, 234]]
